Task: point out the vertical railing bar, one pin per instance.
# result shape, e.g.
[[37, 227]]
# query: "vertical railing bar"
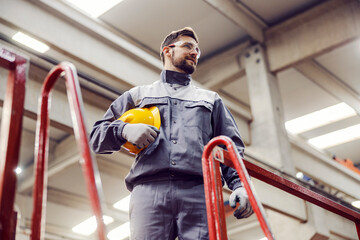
[[10, 139], [244, 177], [41, 152], [209, 197]]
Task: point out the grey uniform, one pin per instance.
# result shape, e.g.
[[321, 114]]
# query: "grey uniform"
[[190, 118]]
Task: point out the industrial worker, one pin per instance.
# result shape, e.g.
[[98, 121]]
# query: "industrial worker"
[[166, 180]]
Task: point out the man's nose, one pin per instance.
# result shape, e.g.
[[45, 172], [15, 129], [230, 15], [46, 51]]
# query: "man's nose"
[[194, 53]]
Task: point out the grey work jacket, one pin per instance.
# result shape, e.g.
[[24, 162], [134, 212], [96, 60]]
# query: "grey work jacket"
[[190, 118]]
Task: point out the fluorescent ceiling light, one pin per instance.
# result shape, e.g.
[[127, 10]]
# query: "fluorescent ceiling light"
[[123, 204], [18, 170], [119, 233], [299, 175], [89, 226], [356, 204], [335, 138], [30, 42], [94, 8], [264, 238], [320, 118]]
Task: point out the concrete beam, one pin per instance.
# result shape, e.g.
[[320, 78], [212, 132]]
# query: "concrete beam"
[[330, 83], [340, 227], [79, 38], [241, 17], [220, 70], [217, 84], [280, 201], [66, 154], [308, 35], [284, 227], [68, 199], [215, 70], [322, 225], [317, 165], [60, 110]]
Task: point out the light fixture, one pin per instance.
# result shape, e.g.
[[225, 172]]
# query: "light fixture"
[[299, 175], [123, 204], [264, 238], [356, 204], [320, 118], [94, 8], [89, 226], [18, 170], [119, 233], [30, 42], [336, 138]]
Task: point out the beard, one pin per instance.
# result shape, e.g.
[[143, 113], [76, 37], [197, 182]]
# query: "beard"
[[182, 64]]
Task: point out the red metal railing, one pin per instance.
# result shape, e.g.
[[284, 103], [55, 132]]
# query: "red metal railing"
[[11, 124], [232, 159], [213, 187], [41, 153]]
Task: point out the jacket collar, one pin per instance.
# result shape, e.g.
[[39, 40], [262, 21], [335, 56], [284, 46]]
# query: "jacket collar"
[[173, 77]]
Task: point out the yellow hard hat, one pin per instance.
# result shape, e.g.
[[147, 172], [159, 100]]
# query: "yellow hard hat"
[[150, 116]]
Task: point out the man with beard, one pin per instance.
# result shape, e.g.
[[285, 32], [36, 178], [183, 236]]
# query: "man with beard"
[[166, 181]]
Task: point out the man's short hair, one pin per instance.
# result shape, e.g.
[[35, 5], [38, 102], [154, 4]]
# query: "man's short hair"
[[173, 36]]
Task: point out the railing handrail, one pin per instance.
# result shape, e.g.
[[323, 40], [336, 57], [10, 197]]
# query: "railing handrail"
[[11, 125], [89, 166], [213, 194], [277, 181]]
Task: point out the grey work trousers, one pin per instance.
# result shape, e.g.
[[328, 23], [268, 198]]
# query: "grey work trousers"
[[165, 210]]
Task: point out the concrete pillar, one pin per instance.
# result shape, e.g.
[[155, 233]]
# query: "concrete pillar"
[[268, 135], [317, 219], [270, 142]]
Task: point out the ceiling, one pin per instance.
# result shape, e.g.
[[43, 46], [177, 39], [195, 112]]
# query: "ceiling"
[[145, 23]]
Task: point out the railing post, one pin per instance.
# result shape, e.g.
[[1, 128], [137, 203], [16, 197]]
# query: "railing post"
[[89, 166], [10, 139], [216, 221]]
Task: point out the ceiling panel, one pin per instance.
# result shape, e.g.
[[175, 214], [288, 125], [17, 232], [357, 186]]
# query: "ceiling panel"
[[239, 90], [301, 96], [149, 28], [275, 11], [332, 127], [344, 62], [71, 180]]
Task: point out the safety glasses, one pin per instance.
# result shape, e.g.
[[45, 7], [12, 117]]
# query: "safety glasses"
[[187, 46]]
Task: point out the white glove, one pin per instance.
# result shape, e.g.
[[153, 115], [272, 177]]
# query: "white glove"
[[239, 195], [139, 134]]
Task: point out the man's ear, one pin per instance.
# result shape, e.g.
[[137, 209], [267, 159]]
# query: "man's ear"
[[167, 52]]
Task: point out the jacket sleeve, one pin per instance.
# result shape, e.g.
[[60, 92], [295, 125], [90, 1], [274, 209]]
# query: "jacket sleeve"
[[106, 134], [224, 124]]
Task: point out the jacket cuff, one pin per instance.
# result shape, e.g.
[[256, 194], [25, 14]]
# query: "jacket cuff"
[[119, 132], [235, 184]]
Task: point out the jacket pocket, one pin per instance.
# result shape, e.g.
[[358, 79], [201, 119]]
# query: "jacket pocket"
[[149, 102], [198, 114]]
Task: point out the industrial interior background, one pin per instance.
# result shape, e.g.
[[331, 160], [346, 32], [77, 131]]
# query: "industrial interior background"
[[272, 61]]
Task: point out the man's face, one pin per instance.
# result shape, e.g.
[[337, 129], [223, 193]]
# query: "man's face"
[[184, 54]]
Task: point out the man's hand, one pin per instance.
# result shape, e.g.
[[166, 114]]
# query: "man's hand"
[[239, 195], [139, 134]]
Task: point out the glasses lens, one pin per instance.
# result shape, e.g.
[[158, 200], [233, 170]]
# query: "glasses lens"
[[189, 46]]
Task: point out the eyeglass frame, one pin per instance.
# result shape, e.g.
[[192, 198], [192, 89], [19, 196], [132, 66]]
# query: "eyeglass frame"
[[194, 47]]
